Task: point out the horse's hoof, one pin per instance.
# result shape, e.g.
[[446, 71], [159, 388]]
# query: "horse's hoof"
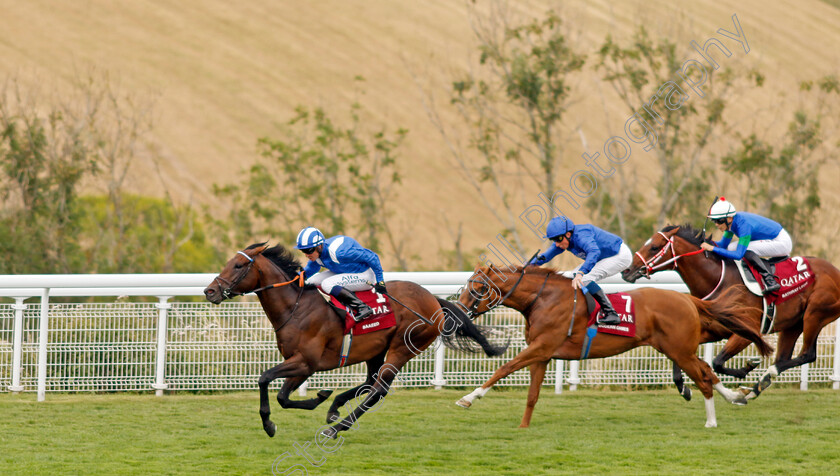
[[333, 417], [463, 403], [324, 394], [270, 428], [330, 432], [710, 424], [754, 362], [764, 383], [740, 399], [686, 394]]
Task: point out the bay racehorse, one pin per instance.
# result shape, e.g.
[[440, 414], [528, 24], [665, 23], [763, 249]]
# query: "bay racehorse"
[[309, 333], [707, 275], [668, 321]]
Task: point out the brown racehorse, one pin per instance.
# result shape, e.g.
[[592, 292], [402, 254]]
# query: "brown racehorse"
[[706, 275], [309, 333], [668, 321]]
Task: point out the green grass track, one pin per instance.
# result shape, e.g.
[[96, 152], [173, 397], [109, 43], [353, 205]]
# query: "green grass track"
[[421, 432]]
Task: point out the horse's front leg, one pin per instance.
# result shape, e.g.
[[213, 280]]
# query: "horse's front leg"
[[537, 377], [293, 383], [292, 367], [536, 352], [733, 347]]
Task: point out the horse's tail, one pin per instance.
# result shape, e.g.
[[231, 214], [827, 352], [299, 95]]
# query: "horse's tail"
[[734, 313], [466, 333]]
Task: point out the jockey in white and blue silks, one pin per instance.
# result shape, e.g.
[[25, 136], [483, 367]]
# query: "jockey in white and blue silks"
[[604, 255], [349, 267], [757, 236]]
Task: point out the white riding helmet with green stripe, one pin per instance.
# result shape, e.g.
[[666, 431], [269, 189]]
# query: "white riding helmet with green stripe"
[[721, 209]]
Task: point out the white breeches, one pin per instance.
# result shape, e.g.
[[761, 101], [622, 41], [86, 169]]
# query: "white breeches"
[[350, 281], [609, 266]]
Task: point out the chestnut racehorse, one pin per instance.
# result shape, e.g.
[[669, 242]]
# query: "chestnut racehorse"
[[706, 275], [668, 321], [309, 333]]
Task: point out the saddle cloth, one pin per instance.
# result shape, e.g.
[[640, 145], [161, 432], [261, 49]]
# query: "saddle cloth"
[[383, 315], [794, 274], [626, 309]]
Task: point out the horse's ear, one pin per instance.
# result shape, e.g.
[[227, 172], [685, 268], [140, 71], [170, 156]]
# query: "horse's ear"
[[260, 248]]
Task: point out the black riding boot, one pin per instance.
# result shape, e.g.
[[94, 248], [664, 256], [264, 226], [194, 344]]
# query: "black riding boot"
[[360, 309], [770, 283], [610, 317]]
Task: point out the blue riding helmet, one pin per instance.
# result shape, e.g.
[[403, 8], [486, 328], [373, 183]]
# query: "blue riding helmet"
[[558, 226], [309, 237]]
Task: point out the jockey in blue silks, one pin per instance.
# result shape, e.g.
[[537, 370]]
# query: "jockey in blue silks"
[[604, 255], [757, 236], [350, 267]]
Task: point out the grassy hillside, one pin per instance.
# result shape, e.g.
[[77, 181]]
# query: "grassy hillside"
[[224, 75]]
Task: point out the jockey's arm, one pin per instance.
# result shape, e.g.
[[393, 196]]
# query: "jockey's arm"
[[737, 253], [593, 254], [724, 241], [549, 254], [311, 268]]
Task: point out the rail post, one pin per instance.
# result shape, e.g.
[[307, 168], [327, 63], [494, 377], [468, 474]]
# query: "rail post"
[[163, 305], [558, 376], [438, 380], [17, 344], [574, 377], [43, 335], [803, 382], [835, 377], [708, 352]]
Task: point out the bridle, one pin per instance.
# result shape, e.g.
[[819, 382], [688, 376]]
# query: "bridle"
[[653, 264], [472, 309], [228, 292]]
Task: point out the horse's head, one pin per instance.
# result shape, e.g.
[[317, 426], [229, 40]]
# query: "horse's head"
[[653, 255], [239, 275], [663, 250], [482, 293]]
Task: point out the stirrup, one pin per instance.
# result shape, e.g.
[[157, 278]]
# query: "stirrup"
[[359, 315], [772, 289], [611, 320]]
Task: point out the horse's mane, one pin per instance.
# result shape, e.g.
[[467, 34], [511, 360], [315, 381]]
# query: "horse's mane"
[[282, 257], [531, 270], [688, 233]]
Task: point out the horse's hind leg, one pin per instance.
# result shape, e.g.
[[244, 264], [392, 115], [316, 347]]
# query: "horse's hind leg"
[[380, 388], [684, 391], [706, 381], [290, 385], [537, 377], [373, 366]]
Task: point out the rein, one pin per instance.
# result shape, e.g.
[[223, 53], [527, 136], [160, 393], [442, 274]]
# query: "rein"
[[528, 307], [652, 265]]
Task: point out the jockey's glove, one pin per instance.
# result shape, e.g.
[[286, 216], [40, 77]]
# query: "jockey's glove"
[[380, 287]]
